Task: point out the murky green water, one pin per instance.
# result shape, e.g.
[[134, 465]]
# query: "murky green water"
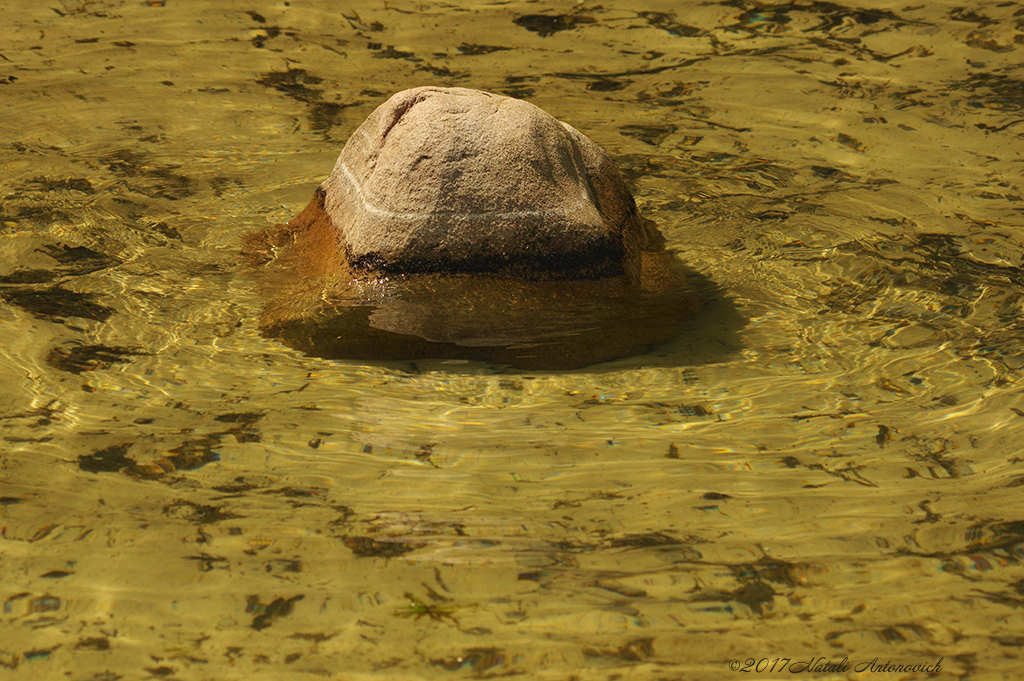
[[827, 465]]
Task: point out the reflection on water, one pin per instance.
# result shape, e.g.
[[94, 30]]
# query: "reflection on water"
[[526, 327], [547, 325], [825, 461]]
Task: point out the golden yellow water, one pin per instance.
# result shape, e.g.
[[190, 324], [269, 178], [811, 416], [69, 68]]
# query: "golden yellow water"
[[830, 465]]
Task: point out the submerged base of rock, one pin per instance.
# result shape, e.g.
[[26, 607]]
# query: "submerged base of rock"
[[527, 325]]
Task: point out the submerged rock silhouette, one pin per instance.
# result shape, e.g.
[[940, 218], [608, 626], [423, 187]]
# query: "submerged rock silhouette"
[[462, 224]]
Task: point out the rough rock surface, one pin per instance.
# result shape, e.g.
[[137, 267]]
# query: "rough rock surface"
[[454, 180]]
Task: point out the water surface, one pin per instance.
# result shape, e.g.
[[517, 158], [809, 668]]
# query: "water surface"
[[828, 465]]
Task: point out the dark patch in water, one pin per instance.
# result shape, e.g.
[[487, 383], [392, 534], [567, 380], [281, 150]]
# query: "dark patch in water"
[[201, 514], [55, 304], [260, 39], [518, 92], [94, 643], [830, 15], [324, 115], [357, 23], [34, 276], [73, 261], [607, 85], [549, 24], [471, 50], [187, 456], [109, 460], [391, 53], [75, 359], [166, 230], [45, 184], [237, 487], [293, 493], [240, 417], [636, 650], [147, 178], [223, 184], [645, 540], [1007, 94], [78, 259], [828, 173], [205, 562], [648, 134], [755, 596], [295, 84], [199, 451], [366, 547], [768, 570], [38, 214], [970, 16], [266, 614]]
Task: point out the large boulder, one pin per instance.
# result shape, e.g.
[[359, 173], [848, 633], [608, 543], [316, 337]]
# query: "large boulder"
[[440, 202], [462, 181]]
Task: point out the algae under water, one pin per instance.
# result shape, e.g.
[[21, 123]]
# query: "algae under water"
[[830, 468]]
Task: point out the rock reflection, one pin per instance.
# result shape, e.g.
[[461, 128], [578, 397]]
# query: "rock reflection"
[[533, 325]]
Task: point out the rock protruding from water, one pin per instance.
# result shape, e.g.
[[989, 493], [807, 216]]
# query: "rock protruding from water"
[[462, 224]]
